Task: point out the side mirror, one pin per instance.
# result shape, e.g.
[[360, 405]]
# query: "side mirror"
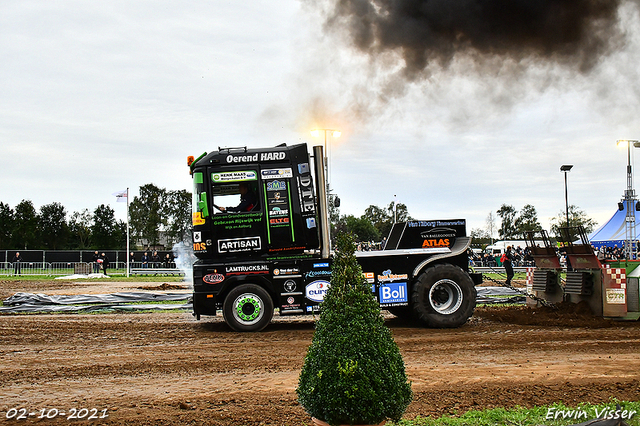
[[336, 202]]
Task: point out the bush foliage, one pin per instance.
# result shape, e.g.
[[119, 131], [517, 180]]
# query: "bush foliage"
[[353, 372]]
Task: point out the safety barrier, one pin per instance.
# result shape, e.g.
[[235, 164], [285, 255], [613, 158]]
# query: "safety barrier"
[[67, 268]]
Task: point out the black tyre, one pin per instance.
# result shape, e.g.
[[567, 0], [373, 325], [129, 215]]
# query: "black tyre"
[[443, 297], [248, 307]]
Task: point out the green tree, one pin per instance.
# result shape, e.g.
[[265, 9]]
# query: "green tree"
[[353, 372], [52, 226], [527, 220], [402, 212], [361, 227], [80, 229], [178, 208], [382, 219], [25, 231], [577, 217], [507, 227], [378, 218], [104, 231], [6, 225], [147, 214]]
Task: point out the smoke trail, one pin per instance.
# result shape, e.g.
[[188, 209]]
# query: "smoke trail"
[[184, 258], [576, 33]]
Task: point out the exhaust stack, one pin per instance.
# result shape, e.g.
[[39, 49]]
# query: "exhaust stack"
[[321, 182]]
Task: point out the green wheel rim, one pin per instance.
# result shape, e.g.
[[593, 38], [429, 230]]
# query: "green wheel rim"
[[248, 308]]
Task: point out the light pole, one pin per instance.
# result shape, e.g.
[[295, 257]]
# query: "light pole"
[[566, 168], [629, 200]]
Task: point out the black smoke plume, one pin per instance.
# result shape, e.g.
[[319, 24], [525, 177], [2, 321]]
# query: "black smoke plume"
[[576, 33]]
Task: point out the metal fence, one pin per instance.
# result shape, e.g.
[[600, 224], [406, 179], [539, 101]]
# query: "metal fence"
[[57, 268], [68, 262]]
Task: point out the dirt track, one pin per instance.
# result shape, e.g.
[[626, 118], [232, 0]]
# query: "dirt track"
[[168, 369]]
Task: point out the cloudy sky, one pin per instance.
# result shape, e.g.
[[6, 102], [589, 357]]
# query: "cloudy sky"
[[96, 97]]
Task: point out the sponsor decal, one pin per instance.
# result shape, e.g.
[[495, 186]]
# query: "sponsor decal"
[[234, 176], [276, 173], [199, 247], [393, 293], [262, 268], [290, 300], [213, 278], [277, 211], [316, 290], [309, 308], [279, 220], [370, 277], [197, 219], [434, 223], [275, 250], [303, 168], [313, 274], [259, 156], [305, 188], [321, 265], [286, 271], [239, 244], [387, 276], [616, 296], [289, 286], [277, 185], [197, 237], [436, 242], [438, 233], [311, 222]]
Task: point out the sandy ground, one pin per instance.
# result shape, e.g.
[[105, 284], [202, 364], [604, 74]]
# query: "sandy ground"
[[169, 369]]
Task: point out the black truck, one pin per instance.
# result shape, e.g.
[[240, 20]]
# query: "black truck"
[[261, 238]]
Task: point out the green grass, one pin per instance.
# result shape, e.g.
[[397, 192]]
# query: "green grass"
[[502, 277], [527, 416]]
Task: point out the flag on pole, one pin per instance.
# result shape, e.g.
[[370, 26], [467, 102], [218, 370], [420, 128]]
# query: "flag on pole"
[[122, 196]]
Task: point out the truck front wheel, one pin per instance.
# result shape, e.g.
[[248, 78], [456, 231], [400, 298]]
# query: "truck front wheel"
[[248, 307], [443, 296]]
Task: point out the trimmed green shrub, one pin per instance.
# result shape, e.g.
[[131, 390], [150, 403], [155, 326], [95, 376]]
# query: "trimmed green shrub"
[[353, 372]]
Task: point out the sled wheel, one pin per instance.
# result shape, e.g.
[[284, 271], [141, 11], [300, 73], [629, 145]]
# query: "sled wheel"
[[248, 307], [443, 296]]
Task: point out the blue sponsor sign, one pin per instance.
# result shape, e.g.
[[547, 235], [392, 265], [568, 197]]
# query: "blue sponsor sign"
[[393, 293], [321, 265]]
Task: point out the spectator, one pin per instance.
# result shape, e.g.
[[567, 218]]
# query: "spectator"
[[105, 263], [507, 262], [17, 260], [155, 260], [131, 259], [168, 261], [96, 264], [145, 260]]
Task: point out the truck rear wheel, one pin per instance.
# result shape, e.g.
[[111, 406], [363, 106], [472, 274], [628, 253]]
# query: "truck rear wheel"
[[443, 296], [248, 307]]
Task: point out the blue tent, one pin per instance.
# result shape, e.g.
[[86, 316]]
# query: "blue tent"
[[613, 232]]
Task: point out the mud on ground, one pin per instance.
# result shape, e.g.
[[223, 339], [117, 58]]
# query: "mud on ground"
[[169, 369]]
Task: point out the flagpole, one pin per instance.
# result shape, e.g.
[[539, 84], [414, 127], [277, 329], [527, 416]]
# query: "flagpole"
[[126, 258]]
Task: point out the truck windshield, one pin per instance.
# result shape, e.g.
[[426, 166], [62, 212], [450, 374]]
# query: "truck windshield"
[[235, 192]]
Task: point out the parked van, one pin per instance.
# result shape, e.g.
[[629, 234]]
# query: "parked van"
[[499, 247]]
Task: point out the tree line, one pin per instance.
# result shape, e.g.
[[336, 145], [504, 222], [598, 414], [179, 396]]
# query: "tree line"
[[515, 224], [156, 217], [160, 217], [376, 223]]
